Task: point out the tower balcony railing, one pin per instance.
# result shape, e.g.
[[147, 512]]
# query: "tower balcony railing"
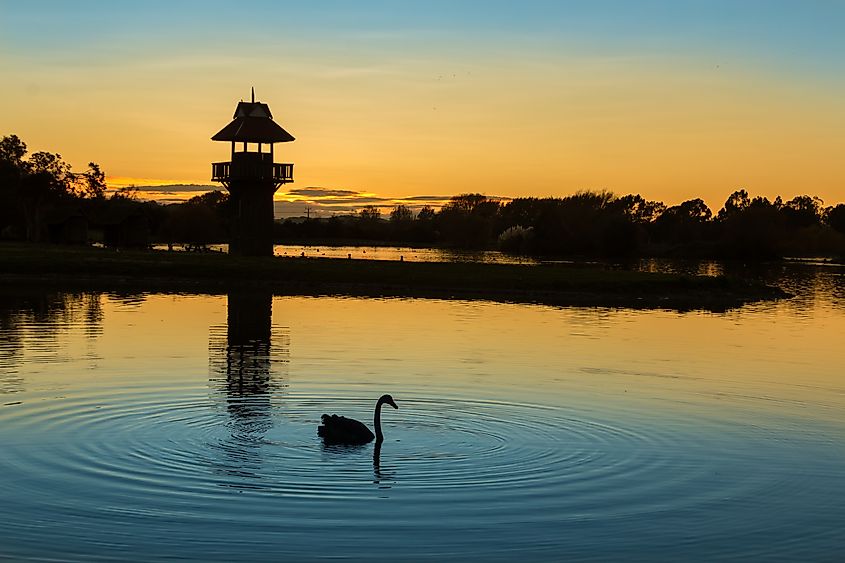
[[277, 172]]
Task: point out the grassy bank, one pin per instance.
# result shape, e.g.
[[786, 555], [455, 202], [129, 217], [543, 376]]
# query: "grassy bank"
[[83, 268]]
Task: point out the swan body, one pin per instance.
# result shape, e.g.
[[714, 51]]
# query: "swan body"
[[341, 430]]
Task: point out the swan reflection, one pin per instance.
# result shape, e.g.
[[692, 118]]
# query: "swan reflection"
[[383, 479]]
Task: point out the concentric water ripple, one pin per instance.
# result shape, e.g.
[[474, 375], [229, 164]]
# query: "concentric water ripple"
[[211, 475]]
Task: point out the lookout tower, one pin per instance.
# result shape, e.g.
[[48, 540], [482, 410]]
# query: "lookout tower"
[[251, 176]]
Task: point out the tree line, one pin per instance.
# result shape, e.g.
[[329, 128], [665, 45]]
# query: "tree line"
[[591, 223], [43, 199]]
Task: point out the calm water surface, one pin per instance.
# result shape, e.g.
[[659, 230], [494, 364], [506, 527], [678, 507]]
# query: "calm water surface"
[[390, 253], [184, 426]]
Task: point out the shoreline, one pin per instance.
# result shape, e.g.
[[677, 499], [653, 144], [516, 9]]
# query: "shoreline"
[[96, 269]]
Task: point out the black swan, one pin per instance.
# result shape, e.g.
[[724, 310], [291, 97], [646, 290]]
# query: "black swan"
[[341, 430]]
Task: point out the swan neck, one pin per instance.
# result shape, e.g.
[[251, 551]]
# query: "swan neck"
[[377, 421]]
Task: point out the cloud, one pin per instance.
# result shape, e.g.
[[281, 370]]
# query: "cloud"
[[317, 201], [346, 202], [173, 193], [362, 200], [311, 201], [438, 198], [316, 191], [172, 188]]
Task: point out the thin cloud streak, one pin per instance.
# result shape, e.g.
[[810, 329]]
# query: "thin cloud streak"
[[321, 192], [311, 201]]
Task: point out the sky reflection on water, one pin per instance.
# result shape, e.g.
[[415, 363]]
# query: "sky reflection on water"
[[154, 426]]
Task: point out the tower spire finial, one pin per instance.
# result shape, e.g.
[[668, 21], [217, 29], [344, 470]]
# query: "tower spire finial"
[[253, 94]]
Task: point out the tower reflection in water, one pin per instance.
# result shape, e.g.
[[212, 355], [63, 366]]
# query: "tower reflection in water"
[[248, 360]]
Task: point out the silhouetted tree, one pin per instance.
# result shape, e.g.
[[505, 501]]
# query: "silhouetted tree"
[[638, 209], [424, 228], [751, 228], [573, 225], [401, 222], [12, 150], [836, 218], [522, 211], [89, 184], [803, 211], [426, 213], [32, 188], [197, 222], [736, 203], [46, 181], [586, 223], [128, 193], [625, 224], [220, 205], [683, 223], [401, 214], [191, 224], [212, 199], [467, 220], [370, 213], [370, 223], [12, 169]]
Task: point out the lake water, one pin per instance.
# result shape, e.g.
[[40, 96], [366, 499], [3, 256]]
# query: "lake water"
[[391, 253], [162, 426]]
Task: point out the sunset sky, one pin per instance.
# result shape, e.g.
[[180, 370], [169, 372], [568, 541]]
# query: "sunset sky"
[[672, 100]]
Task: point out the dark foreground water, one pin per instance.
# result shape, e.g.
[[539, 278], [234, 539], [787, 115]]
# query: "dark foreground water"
[[184, 427]]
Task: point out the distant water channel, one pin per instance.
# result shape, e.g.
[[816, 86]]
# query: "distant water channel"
[[390, 253], [159, 426]]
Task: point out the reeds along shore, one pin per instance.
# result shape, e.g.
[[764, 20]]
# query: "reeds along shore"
[[86, 268]]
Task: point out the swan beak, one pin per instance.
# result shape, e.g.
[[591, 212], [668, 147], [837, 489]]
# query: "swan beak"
[[392, 404]]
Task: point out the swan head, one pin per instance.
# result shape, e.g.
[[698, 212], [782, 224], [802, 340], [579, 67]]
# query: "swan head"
[[389, 400]]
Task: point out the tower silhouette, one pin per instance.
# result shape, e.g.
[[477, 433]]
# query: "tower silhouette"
[[251, 176]]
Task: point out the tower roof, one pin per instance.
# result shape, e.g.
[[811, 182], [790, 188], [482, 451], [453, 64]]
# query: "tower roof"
[[253, 123]]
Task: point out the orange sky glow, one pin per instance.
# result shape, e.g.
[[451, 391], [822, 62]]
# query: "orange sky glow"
[[533, 115]]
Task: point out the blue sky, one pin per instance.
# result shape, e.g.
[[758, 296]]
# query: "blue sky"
[[803, 33], [770, 28]]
